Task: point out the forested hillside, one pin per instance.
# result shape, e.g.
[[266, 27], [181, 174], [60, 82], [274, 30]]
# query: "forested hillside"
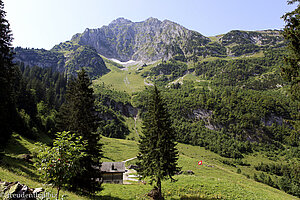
[[68, 61]]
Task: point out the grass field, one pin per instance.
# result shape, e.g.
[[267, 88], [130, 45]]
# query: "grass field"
[[124, 79], [212, 180]]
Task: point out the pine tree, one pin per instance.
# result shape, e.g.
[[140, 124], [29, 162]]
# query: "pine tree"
[[157, 149], [77, 115], [5, 39], [291, 32], [7, 106], [291, 71]]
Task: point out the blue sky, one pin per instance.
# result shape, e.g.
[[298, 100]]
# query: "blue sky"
[[44, 23]]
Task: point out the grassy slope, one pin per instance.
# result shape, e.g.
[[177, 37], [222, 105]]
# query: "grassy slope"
[[14, 168], [127, 79], [130, 80], [123, 79], [219, 181]]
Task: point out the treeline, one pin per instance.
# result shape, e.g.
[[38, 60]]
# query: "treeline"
[[227, 120], [260, 73], [39, 95], [215, 49], [40, 57], [257, 73], [248, 37], [112, 107], [239, 50], [168, 70], [285, 176], [49, 85], [42, 92]]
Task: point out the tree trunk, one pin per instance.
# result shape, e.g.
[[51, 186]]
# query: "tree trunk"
[[57, 195], [159, 188]]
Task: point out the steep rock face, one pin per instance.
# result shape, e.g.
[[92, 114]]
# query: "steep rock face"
[[206, 116], [125, 109], [148, 40]]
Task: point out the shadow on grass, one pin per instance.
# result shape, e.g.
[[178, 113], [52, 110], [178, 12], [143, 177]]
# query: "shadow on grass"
[[18, 166], [15, 147], [195, 198], [110, 160]]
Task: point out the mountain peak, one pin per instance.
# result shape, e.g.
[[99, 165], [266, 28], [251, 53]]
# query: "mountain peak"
[[120, 20], [152, 22], [147, 40], [152, 19]]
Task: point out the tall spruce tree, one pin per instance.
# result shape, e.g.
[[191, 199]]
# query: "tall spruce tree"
[[158, 155], [291, 71], [291, 33], [78, 115], [7, 106]]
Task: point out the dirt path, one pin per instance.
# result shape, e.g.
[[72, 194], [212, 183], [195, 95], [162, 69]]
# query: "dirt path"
[[129, 173], [126, 81], [129, 159]]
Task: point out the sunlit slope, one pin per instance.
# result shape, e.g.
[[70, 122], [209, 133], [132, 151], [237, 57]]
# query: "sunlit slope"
[[211, 180]]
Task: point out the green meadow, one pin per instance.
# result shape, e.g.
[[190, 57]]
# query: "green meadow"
[[124, 79], [211, 180]]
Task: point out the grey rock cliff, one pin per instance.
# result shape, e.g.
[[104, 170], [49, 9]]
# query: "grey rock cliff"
[[148, 40]]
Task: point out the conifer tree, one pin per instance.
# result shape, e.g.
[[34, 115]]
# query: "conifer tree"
[[78, 115], [291, 71], [7, 106], [157, 149], [291, 33]]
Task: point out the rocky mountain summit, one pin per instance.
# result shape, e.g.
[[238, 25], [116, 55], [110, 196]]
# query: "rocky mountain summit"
[[152, 39], [148, 40], [144, 41]]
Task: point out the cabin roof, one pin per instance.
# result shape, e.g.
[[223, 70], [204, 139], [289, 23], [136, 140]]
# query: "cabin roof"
[[113, 167]]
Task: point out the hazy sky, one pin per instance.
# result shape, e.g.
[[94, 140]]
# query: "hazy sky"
[[44, 23]]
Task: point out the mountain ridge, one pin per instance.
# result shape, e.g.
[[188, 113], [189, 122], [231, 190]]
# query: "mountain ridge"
[[145, 41]]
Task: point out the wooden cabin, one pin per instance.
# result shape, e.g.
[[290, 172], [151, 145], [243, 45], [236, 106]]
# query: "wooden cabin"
[[112, 172]]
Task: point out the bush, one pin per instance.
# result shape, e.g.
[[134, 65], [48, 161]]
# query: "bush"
[[59, 164]]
